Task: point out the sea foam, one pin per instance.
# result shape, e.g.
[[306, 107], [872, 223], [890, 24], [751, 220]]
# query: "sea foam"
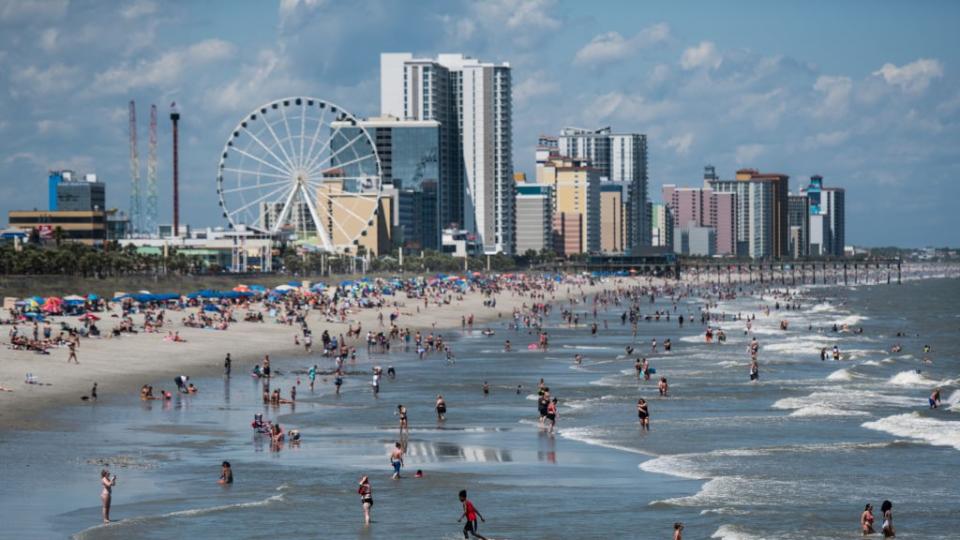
[[930, 430]]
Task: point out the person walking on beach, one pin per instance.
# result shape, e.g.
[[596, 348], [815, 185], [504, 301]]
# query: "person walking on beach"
[[887, 510], [396, 459], [471, 513], [93, 392], [866, 520], [366, 498], [107, 481], [227, 362], [73, 352], [643, 413]]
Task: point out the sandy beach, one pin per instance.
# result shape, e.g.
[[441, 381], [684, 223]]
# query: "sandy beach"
[[121, 365]]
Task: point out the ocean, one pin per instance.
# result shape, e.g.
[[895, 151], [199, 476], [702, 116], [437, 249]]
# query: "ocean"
[[796, 455]]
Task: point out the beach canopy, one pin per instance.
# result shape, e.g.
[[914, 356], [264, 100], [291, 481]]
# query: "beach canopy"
[[211, 307], [144, 298]]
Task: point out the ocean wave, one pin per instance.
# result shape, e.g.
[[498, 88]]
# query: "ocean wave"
[[842, 375], [912, 378], [591, 436], [930, 430], [825, 410], [845, 400], [822, 307], [734, 532], [577, 404], [588, 347], [953, 401], [185, 513]]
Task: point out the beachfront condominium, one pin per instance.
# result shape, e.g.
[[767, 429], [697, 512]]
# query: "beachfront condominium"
[[702, 208], [827, 218], [534, 217], [613, 213], [798, 219], [411, 161], [661, 225], [761, 212], [472, 101], [617, 157], [576, 200]]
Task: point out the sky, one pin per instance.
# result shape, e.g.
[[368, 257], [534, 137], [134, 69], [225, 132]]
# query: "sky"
[[865, 93]]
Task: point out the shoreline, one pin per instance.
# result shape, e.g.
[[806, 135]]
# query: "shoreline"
[[122, 365]]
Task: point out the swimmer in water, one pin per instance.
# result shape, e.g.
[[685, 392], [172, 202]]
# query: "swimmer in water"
[[552, 414], [866, 520], [887, 510], [935, 398], [639, 367], [226, 473], [663, 386], [678, 531], [441, 407], [404, 425], [486, 388], [643, 413], [366, 498], [396, 459], [578, 359]]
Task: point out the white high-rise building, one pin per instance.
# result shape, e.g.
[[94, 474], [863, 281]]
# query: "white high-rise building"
[[473, 102]]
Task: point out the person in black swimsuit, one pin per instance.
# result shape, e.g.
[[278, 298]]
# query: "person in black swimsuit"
[[643, 413]]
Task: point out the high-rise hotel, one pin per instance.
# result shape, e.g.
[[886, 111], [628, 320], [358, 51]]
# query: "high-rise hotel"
[[472, 101]]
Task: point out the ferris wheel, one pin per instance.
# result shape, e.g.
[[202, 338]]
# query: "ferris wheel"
[[305, 166]]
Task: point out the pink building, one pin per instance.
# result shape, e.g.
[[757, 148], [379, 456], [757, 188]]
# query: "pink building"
[[704, 208]]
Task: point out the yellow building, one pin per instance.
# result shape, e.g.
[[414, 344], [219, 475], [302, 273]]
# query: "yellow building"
[[576, 202], [349, 216], [84, 226], [613, 213]]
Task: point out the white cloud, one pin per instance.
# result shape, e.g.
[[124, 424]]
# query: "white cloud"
[[33, 10], [164, 70], [747, 153], [45, 80], [538, 84], [914, 77], [48, 39], [681, 143], [629, 107], [611, 46], [295, 8], [522, 15], [763, 109], [836, 95], [703, 55], [827, 139], [138, 9]]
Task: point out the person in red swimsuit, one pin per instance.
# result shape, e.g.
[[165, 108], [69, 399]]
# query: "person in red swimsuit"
[[471, 513]]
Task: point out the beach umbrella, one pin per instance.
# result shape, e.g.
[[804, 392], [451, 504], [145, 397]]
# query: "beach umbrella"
[[294, 284], [92, 297], [241, 288], [89, 317], [74, 298], [210, 307], [284, 288]]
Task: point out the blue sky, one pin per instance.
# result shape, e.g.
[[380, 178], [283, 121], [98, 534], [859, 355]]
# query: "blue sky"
[[865, 93]]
